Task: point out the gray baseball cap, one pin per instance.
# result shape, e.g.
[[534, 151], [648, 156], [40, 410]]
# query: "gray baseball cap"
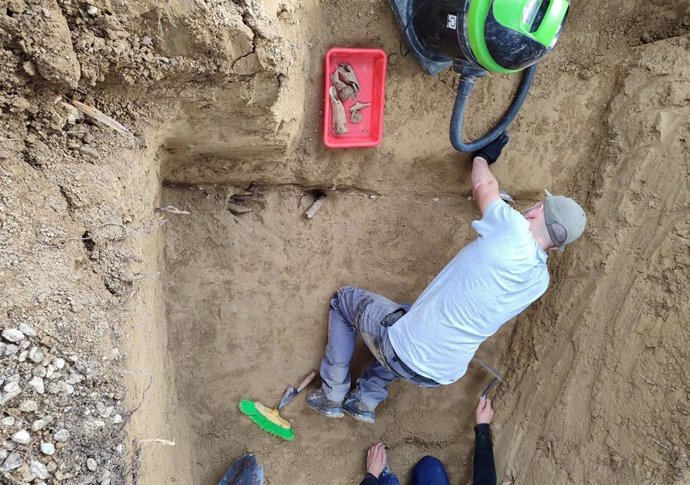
[[565, 219]]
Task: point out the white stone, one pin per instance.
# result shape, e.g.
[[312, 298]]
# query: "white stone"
[[13, 335], [11, 387], [25, 473], [7, 397], [59, 363], [22, 437], [39, 424], [117, 419], [93, 11], [23, 355], [74, 378], [105, 477], [3, 454], [40, 371], [7, 421], [39, 469], [66, 388], [103, 410], [11, 349], [37, 383], [27, 330], [93, 424], [91, 464], [47, 448], [61, 435], [12, 462], [28, 406], [36, 355]]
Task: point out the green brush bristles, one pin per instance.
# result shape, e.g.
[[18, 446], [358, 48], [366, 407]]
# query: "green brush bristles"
[[267, 419]]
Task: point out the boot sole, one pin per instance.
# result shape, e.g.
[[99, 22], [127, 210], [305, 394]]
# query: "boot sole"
[[359, 418], [322, 413]]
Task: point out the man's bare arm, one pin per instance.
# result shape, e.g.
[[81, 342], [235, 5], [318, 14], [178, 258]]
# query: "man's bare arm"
[[484, 184]]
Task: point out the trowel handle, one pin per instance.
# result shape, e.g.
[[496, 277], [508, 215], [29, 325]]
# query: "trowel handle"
[[307, 380]]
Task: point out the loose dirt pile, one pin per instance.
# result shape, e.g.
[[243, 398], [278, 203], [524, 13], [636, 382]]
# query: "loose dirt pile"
[[129, 334]]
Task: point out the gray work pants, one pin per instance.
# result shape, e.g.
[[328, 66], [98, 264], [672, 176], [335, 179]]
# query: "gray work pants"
[[356, 311]]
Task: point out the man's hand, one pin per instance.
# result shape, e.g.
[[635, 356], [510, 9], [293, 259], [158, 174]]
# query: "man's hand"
[[492, 151], [376, 459], [484, 413]]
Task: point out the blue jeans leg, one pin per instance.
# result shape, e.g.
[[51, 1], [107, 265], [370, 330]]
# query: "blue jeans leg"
[[429, 471], [372, 387], [342, 336], [353, 311], [388, 479]]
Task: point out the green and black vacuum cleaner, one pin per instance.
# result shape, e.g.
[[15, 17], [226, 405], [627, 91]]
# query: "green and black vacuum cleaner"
[[480, 36]]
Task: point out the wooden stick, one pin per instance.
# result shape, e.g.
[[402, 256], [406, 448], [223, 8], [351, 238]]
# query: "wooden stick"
[[101, 117], [171, 209]]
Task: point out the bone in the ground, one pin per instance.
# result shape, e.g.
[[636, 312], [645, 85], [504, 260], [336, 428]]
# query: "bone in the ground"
[[237, 209], [311, 212]]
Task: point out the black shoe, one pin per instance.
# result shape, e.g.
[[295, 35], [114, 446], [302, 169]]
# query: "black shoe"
[[318, 402], [357, 410]]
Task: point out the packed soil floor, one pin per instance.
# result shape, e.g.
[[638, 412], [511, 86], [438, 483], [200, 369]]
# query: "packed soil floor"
[[130, 331]]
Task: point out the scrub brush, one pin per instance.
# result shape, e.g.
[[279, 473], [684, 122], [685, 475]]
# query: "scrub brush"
[[267, 419]]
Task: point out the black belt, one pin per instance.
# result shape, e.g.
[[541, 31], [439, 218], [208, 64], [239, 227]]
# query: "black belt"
[[388, 321]]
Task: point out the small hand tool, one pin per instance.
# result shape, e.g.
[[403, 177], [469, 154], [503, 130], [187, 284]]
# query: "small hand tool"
[[291, 392], [498, 377]]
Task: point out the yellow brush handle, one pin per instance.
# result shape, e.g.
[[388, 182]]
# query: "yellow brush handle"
[[272, 415], [307, 380]]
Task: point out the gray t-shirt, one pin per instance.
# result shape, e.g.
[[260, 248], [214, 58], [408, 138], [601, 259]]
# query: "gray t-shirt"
[[490, 281]]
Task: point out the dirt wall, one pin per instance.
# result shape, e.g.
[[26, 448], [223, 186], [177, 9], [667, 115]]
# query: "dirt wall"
[[599, 390]]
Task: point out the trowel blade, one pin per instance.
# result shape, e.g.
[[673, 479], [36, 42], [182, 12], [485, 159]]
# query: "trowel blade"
[[289, 395], [490, 368]]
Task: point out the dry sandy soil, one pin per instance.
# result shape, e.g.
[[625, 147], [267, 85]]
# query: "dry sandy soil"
[[129, 334]]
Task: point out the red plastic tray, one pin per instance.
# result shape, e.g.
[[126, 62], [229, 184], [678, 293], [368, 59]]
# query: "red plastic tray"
[[370, 67]]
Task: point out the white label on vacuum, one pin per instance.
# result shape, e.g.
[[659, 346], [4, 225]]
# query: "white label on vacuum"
[[452, 22]]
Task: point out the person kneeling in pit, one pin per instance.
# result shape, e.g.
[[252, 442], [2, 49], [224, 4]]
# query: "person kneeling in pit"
[[430, 343], [429, 470]]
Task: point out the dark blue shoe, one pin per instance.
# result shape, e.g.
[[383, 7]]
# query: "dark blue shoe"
[[357, 410], [319, 403]]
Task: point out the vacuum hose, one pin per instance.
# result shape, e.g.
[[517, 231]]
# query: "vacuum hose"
[[464, 89]]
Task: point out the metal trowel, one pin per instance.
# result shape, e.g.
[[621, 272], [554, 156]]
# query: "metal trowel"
[[498, 377], [291, 392]]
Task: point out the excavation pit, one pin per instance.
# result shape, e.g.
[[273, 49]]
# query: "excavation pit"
[[247, 299]]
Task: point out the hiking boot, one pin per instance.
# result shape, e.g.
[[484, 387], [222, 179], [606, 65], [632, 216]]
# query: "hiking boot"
[[319, 403], [354, 407]]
